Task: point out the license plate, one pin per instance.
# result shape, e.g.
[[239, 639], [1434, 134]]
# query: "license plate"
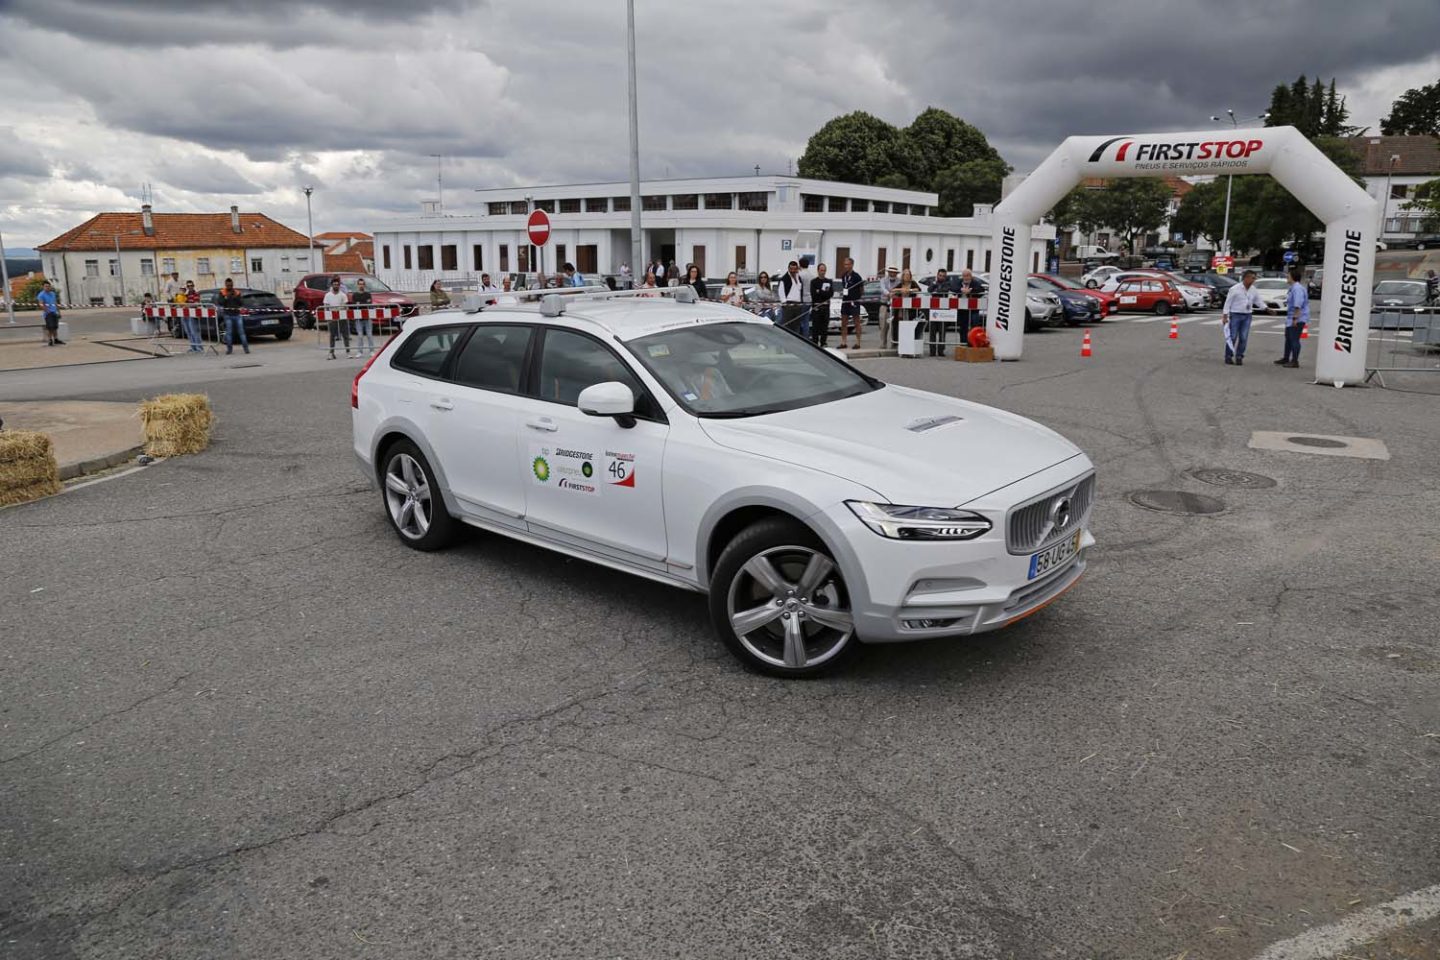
[[1047, 560], [269, 323]]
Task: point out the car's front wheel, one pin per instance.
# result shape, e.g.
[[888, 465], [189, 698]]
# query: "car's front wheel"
[[779, 602], [412, 501]]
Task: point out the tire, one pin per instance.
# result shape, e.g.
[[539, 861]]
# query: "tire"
[[1030, 326], [303, 318], [766, 577], [284, 334], [1419, 246], [421, 522], [1092, 284], [1162, 307]]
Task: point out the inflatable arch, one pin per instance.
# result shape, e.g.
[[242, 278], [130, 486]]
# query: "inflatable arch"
[[1347, 211]]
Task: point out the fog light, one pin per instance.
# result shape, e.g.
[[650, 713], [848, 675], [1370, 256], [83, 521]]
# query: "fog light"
[[928, 624]]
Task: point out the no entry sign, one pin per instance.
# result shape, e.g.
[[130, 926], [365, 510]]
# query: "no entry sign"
[[538, 227]]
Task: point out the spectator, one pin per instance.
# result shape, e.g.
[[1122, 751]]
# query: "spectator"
[[191, 297], [934, 328], [147, 302], [573, 278], [486, 286], [887, 283], [764, 295], [822, 288], [171, 288], [624, 276], [792, 298], [365, 326], [672, 274], [732, 293], [649, 283], [1240, 304], [50, 314], [852, 288], [230, 303], [904, 287], [1297, 315], [336, 297], [696, 282], [970, 287], [439, 299], [506, 284]]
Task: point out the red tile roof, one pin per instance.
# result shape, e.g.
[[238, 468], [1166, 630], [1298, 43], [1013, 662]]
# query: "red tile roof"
[[334, 235], [1419, 155], [176, 231], [352, 260]]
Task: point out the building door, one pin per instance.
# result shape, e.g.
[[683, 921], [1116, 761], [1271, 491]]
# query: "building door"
[[841, 255], [587, 259], [969, 259], [667, 254], [697, 257], [740, 258], [880, 261], [560, 257], [904, 258], [949, 261]]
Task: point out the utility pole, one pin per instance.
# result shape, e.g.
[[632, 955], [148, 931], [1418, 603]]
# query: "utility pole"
[[310, 233], [1385, 197], [635, 246], [439, 186], [1230, 179], [120, 267], [5, 276]]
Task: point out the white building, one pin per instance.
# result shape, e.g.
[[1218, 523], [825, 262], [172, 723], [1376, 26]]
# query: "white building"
[[1392, 167], [720, 224], [115, 258]]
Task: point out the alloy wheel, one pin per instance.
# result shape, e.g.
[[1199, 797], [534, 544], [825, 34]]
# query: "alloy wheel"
[[789, 608], [408, 496]]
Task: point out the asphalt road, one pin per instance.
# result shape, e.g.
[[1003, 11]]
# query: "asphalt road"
[[239, 719]]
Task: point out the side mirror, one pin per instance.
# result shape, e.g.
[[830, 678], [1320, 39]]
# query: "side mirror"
[[608, 399]]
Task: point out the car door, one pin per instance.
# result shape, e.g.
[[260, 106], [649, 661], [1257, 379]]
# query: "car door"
[[591, 482], [1128, 294], [473, 414]]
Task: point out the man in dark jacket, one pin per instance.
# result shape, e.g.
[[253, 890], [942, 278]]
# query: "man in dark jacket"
[[970, 287], [230, 303], [822, 288], [852, 288]]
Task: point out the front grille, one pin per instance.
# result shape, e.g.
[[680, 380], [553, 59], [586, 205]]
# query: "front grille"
[[1033, 525]]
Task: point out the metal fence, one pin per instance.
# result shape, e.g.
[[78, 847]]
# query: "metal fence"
[[1403, 342]]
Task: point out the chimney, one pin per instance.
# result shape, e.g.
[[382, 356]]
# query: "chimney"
[[234, 218], [146, 220]]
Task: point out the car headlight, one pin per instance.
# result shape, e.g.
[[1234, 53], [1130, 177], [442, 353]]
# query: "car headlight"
[[898, 522]]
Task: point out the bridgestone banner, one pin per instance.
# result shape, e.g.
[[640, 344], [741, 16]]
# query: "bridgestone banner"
[[1348, 212]]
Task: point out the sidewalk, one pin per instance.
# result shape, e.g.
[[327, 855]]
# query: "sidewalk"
[[91, 348], [88, 435]]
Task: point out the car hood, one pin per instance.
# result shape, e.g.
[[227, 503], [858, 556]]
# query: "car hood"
[[908, 446], [389, 296]]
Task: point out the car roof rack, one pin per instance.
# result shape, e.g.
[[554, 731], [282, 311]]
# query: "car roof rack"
[[554, 300]]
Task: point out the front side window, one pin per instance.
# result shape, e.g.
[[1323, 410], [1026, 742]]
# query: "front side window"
[[493, 358], [745, 369], [426, 351], [570, 362]]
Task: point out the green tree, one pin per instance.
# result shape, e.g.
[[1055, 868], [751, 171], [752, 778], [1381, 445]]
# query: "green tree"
[[29, 292], [1202, 211], [1416, 111], [937, 141], [1131, 206], [854, 148], [1075, 209], [965, 184], [1310, 107]]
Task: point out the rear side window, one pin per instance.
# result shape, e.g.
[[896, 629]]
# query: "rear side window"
[[427, 350], [493, 358], [318, 283]]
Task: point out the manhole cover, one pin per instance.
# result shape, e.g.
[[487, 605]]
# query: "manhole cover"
[[1177, 501], [1232, 478], [1317, 442]]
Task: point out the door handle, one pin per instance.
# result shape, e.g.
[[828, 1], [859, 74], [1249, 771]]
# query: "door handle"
[[544, 423], [443, 404]]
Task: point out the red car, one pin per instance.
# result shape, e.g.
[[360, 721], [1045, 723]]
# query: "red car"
[[1109, 305], [310, 293], [1149, 294]]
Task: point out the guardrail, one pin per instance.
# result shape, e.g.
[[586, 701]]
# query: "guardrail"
[[1403, 341]]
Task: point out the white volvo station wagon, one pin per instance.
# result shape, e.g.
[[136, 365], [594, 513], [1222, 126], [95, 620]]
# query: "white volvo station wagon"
[[701, 446]]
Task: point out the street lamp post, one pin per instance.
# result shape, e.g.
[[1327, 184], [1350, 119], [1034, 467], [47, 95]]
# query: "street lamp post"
[[120, 268], [1385, 197], [310, 233], [1230, 181], [635, 245]]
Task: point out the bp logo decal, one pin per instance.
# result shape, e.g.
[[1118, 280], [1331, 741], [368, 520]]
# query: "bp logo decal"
[[586, 469], [541, 468]]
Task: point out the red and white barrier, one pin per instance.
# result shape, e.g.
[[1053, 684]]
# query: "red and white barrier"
[[180, 310], [357, 313], [935, 303]]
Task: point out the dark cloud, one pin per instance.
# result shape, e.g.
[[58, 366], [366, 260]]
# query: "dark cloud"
[[21, 158], [205, 174]]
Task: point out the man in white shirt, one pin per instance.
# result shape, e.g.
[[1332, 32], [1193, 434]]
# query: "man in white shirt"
[[1240, 304], [337, 297], [486, 287], [792, 298], [887, 282]]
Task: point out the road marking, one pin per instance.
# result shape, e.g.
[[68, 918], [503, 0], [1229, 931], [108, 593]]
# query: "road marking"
[[1361, 927]]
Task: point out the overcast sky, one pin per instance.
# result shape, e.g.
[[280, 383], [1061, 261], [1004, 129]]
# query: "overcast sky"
[[215, 102]]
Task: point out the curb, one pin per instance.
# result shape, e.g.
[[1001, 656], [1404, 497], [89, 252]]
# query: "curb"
[[70, 471]]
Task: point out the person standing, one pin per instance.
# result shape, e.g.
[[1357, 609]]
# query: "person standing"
[[904, 288], [230, 303], [887, 283], [732, 293], [191, 298], [147, 305], [852, 288], [936, 329], [439, 299], [764, 295], [1240, 304], [1297, 315], [171, 288], [573, 277], [694, 281], [792, 298], [365, 326], [822, 288], [625, 283], [970, 287], [50, 313], [336, 297]]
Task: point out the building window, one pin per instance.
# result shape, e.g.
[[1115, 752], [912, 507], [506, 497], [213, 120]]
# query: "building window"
[[841, 255], [407, 256], [621, 205], [559, 254], [949, 261], [167, 265], [740, 259], [882, 206], [719, 201], [811, 203], [652, 203], [838, 205], [919, 211], [1035, 263], [1391, 226], [285, 264], [237, 264], [597, 205], [753, 202], [147, 267], [859, 206], [497, 208], [385, 256], [504, 257], [92, 268], [570, 206], [969, 259], [426, 255], [114, 267], [880, 255], [257, 264], [1398, 191], [987, 261], [547, 205], [518, 206], [202, 265], [449, 257], [478, 252], [686, 201], [697, 257], [904, 258]]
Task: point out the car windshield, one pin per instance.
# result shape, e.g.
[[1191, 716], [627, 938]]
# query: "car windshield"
[[371, 284], [262, 300], [1271, 283], [745, 369], [1409, 288]]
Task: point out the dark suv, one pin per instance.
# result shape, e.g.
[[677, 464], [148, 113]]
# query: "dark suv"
[[310, 293], [263, 313]]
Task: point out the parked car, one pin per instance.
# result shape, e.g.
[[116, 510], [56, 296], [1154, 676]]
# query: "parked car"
[[1061, 285], [1405, 294], [1316, 284], [1042, 306], [1091, 252], [262, 312], [1274, 291], [1219, 284], [1097, 277], [1149, 295], [1193, 296], [1198, 296], [695, 445], [1425, 241], [310, 293]]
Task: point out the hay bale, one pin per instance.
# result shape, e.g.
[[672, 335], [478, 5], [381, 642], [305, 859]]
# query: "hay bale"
[[176, 423], [27, 467]]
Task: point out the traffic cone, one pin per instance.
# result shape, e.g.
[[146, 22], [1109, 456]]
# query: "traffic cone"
[[1085, 345], [1174, 329], [1305, 332]]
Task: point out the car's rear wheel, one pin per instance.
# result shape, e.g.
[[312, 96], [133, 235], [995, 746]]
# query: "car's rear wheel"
[[779, 602], [1162, 307], [412, 502], [283, 334]]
